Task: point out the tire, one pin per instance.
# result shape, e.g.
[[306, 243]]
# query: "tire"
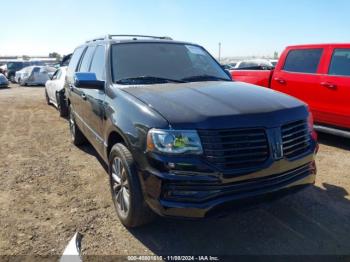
[[77, 136], [127, 196], [47, 98], [61, 105]]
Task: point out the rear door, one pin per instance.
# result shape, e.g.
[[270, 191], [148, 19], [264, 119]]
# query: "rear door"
[[336, 88], [84, 67], [94, 104], [299, 76], [73, 92]]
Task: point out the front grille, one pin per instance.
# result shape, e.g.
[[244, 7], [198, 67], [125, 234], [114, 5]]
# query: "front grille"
[[194, 192], [295, 138], [235, 148]]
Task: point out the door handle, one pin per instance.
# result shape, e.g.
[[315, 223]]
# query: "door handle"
[[71, 87], [280, 80], [83, 96], [328, 85]]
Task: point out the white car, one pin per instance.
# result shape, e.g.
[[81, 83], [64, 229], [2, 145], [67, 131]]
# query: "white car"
[[255, 64], [54, 91], [34, 75]]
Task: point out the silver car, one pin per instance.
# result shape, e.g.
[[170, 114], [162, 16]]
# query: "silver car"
[[3, 81], [35, 75]]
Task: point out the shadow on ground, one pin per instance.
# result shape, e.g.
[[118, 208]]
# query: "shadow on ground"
[[335, 141], [314, 221]]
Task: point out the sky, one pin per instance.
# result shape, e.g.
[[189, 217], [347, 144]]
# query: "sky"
[[244, 28]]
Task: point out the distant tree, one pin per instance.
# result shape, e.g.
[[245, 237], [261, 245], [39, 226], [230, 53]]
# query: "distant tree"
[[275, 55], [55, 55], [25, 57]]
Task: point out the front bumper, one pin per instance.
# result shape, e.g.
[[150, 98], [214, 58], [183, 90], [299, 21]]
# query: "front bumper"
[[210, 194]]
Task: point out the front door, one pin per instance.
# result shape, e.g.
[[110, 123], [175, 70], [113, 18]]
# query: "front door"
[[336, 89], [299, 77], [94, 106]]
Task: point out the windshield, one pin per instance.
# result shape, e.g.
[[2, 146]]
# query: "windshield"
[[14, 65], [143, 63]]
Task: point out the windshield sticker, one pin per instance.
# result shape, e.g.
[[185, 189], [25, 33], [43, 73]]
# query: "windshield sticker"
[[195, 50]]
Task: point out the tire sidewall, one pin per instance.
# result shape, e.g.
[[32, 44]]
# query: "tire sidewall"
[[135, 192]]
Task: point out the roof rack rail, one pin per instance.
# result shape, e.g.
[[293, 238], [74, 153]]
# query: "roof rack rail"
[[141, 36], [96, 39], [134, 37]]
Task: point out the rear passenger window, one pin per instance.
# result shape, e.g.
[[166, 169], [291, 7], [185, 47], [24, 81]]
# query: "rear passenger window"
[[85, 63], [303, 61], [98, 63], [74, 61], [340, 64]]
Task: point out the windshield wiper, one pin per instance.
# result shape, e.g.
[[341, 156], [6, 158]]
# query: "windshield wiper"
[[204, 78], [147, 79]]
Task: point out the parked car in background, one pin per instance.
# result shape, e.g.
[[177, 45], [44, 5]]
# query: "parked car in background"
[[35, 75], [274, 62], [13, 67], [226, 66], [3, 81], [316, 74], [254, 64], [54, 91], [3, 69], [179, 137]]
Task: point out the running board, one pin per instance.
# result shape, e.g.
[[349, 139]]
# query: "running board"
[[332, 131]]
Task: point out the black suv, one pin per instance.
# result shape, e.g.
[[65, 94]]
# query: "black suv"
[[179, 136]]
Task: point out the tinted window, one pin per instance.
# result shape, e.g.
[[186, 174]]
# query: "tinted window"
[[85, 63], [340, 64], [303, 61], [98, 63], [75, 60], [162, 60]]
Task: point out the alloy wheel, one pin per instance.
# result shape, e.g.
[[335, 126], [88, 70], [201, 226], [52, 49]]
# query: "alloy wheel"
[[120, 187]]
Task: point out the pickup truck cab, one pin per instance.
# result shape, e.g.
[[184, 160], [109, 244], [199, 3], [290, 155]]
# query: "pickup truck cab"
[[179, 137], [316, 74]]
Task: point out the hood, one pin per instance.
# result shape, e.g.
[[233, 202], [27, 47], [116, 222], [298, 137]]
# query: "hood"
[[219, 104]]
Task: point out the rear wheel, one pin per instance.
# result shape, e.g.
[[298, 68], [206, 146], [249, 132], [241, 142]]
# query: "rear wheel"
[[77, 136], [126, 190], [21, 82]]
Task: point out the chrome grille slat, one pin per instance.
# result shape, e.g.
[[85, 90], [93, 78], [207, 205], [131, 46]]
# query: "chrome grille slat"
[[295, 138], [235, 148], [294, 133]]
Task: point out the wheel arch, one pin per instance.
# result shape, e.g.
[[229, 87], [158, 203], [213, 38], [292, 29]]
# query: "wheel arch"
[[114, 137]]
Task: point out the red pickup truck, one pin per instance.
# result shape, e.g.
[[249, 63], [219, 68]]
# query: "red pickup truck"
[[317, 74]]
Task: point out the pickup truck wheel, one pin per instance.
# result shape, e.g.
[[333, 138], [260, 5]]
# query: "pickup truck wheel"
[[76, 135], [61, 104], [126, 189]]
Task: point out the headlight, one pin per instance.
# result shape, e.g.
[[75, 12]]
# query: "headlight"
[[174, 141]]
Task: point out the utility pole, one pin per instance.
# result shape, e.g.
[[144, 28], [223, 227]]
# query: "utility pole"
[[219, 51]]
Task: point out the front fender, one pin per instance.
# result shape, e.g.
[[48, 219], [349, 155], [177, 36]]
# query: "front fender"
[[130, 118]]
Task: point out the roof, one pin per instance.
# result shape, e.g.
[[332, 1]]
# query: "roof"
[[318, 45], [134, 38]]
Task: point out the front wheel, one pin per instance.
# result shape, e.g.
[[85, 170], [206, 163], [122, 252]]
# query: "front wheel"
[[126, 190], [47, 97], [77, 136], [61, 104]]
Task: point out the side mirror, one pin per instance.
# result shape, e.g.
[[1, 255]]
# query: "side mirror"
[[88, 81]]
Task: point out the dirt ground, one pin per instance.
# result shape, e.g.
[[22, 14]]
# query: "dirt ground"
[[50, 189]]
